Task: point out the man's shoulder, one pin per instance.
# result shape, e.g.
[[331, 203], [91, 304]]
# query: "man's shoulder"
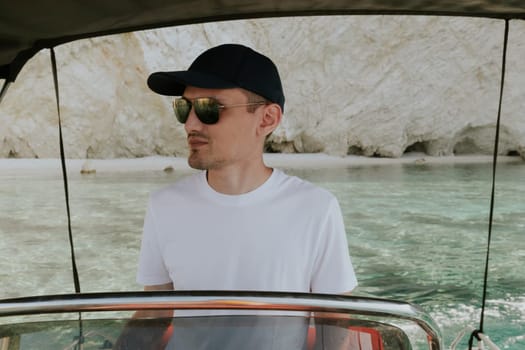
[[292, 184]]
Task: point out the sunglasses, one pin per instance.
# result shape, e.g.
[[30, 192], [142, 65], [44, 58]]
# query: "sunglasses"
[[206, 108]]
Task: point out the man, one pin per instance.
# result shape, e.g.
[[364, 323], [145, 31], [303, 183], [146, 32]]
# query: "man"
[[238, 224]]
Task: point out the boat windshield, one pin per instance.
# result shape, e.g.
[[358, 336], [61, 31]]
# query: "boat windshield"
[[213, 321], [210, 332]]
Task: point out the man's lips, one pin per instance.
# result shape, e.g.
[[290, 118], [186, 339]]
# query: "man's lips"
[[196, 141]]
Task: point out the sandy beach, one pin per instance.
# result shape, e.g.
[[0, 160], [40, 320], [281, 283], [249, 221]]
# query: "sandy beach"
[[12, 166]]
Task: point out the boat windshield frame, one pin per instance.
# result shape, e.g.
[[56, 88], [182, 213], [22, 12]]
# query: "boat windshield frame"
[[219, 300]]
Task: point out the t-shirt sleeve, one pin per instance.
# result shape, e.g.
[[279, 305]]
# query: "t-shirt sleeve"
[[333, 270], [151, 269]]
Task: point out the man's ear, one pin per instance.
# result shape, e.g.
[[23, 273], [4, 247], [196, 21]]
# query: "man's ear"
[[270, 119]]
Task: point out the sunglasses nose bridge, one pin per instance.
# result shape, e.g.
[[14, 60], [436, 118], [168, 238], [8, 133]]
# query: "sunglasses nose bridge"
[[192, 122]]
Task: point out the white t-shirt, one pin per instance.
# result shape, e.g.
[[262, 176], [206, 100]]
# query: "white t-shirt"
[[287, 235]]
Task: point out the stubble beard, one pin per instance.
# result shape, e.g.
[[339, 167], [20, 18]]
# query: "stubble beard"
[[196, 162], [199, 161]]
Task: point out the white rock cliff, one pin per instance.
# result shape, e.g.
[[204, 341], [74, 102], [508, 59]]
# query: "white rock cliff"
[[376, 86]]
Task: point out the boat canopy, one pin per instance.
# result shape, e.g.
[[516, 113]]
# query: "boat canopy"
[[27, 27]]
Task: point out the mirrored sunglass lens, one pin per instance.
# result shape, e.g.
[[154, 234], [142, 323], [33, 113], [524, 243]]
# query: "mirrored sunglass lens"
[[182, 108], [207, 109]]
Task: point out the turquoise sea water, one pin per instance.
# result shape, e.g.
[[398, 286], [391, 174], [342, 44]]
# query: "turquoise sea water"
[[419, 233], [416, 233]]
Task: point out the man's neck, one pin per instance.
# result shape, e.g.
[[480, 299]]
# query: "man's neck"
[[234, 180]]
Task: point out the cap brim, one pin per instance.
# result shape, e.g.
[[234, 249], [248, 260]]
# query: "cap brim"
[[174, 83]]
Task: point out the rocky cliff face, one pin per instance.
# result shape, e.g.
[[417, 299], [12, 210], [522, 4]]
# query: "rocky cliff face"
[[375, 86]]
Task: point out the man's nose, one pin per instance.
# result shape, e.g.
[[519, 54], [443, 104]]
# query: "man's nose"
[[193, 122]]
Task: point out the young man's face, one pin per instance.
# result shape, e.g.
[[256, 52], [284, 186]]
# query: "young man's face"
[[232, 141]]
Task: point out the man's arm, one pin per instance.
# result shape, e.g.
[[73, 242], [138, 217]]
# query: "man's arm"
[[147, 329], [155, 313], [334, 335]]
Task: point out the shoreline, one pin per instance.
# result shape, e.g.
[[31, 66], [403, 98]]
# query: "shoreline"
[[13, 166]]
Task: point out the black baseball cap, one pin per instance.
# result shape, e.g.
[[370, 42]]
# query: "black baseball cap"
[[223, 67]]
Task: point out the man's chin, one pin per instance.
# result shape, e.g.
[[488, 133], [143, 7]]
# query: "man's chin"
[[197, 164]]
